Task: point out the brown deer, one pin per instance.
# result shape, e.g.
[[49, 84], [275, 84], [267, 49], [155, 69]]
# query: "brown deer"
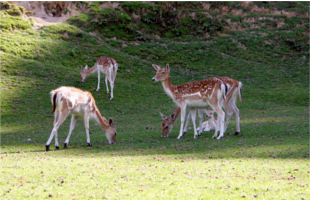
[[80, 104], [194, 95], [229, 106], [211, 123], [105, 65], [168, 122]]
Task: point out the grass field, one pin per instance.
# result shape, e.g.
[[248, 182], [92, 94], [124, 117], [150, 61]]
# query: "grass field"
[[268, 160]]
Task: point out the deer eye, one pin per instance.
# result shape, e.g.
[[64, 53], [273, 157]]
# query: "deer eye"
[[166, 127]]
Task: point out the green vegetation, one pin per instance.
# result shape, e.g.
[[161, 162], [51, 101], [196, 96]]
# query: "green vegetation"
[[269, 160]]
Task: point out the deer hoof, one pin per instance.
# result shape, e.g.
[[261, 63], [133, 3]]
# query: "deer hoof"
[[184, 133], [57, 147], [236, 133], [65, 145], [196, 136], [47, 147], [89, 144], [219, 137]]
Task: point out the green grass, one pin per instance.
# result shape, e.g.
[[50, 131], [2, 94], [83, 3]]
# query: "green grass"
[[270, 160]]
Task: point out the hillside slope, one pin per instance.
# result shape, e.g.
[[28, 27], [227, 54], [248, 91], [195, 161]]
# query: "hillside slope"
[[272, 63], [248, 41]]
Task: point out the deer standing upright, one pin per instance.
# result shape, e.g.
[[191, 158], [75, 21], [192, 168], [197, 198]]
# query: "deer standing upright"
[[194, 95], [234, 91], [105, 65], [70, 100]]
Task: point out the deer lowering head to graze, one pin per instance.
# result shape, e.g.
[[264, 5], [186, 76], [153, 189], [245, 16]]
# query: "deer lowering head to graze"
[[168, 122], [194, 95], [105, 65], [80, 104]]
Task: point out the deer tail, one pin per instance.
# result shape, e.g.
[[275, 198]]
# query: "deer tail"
[[53, 97], [239, 91], [224, 90]]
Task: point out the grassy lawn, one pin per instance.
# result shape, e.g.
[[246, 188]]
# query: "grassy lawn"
[[268, 160]]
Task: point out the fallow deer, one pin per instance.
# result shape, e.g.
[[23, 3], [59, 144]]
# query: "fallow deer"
[[194, 95], [211, 123], [168, 122], [105, 65], [80, 104], [234, 90]]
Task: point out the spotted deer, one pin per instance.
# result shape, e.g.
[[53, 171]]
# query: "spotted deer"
[[168, 122], [234, 91], [80, 104], [211, 123], [105, 65], [194, 95]]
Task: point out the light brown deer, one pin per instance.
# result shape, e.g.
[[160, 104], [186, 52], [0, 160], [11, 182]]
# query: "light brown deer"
[[234, 91], [105, 65], [194, 95], [211, 123], [80, 104], [168, 122]]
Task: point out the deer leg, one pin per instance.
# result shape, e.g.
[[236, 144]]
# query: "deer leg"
[[183, 113], [62, 115], [193, 113], [236, 112], [220, 121], [98, 87], [229, 115], [86, 121], [186, 124], [72, 125], [106, 83], [112, 86], [200, 116]]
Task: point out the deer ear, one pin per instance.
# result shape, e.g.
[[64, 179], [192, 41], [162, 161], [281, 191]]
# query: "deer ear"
[[162, 116], [86, 67], [172, 117], [110, 122], [156, 67], [167, 68]]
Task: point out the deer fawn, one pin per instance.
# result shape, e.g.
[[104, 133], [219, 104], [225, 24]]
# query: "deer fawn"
[[105, 65], [80, 104], [211, 123], [194, 95]]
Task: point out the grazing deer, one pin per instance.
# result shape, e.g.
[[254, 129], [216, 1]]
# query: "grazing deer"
[[105, 65], [168, 122], [194, 95], [229, 106], [80, 104], [211, 123]]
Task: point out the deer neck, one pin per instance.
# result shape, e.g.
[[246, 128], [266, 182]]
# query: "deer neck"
[[91, 70], [101, 120], [168, 87]]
